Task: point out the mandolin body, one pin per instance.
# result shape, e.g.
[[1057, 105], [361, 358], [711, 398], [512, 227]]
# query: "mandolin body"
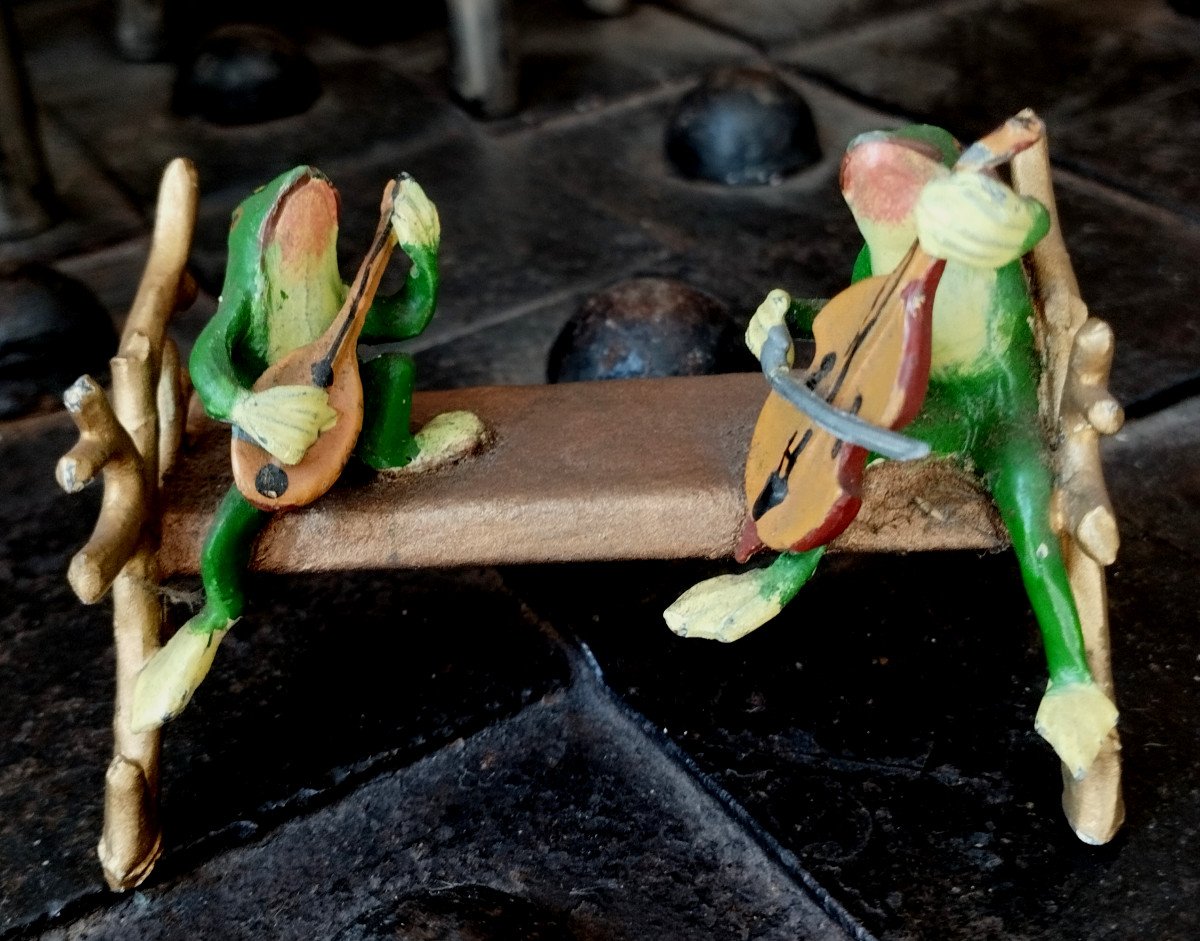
[[272, 485]]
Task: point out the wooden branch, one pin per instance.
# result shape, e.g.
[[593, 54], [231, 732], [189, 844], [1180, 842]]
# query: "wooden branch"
[[130, 443], [171, 395], [164, 284], [1087, 412], [104, 447], [1077, 408]]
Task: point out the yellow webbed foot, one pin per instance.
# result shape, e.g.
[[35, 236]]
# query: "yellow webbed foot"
[[446, 438], [168, 681], [724, 608], [1075, 719]]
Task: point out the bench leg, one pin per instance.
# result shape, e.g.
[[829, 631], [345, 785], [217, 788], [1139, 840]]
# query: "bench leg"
[[1094, 805], [132, 839]]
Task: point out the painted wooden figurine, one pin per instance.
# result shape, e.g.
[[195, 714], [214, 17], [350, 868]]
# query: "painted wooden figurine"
[[279, 361], [936, 330]]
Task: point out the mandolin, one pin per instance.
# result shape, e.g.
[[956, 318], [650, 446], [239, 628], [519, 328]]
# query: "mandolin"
[[330, 362], [804, 470]]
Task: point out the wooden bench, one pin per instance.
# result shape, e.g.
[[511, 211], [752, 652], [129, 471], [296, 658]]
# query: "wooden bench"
[[645, 469]]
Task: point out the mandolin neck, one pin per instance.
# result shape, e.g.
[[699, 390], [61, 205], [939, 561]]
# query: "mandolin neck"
[[343, 333]]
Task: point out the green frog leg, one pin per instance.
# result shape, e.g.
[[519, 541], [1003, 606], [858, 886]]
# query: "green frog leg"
[[729, 607], [166, 684], [1074, 715]]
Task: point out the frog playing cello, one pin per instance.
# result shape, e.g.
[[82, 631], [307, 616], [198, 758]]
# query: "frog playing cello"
[[934, 334]]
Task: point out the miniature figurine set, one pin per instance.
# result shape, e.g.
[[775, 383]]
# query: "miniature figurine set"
[[941, 350]]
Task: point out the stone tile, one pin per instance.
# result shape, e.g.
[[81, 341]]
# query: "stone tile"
[[1145, 147], [572, 63], [565, 807], [773, 23], [91, 211], [969, 67], [735, 242], [113, 275], [1144, 294], [510, 238], [881, 729], [511, 353], [121, 111], [55, 685], [1153, 477], [516, 351], [324, 682]]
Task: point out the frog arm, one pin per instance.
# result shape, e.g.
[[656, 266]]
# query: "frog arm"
[[862, 265], [283, 420], [216, 378], [407, 312]]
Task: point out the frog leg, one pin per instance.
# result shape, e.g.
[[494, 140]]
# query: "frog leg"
[[1075, 716], [170, 678], [729, 607], [387, 442]]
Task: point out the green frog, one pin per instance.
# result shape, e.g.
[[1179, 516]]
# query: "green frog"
[[282, 290], [981, 407]]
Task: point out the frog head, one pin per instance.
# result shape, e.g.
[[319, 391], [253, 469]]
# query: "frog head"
[[283, 261], [883, 174]]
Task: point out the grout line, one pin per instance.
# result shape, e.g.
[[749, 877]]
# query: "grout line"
[[1133, 198], [881, 25], [1154, 404], [590, 678], [516, 128], [561, 295], [102, 169], [707, 22], [1067, 168]]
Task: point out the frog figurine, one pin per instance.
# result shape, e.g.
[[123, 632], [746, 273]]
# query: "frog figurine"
[[282, 290], [981, 406]]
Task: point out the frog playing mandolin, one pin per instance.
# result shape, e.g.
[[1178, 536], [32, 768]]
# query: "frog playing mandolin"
[[280, 362], [936, 331]]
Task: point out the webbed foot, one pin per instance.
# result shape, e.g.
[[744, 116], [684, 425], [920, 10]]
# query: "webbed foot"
[[168, 681], [1075, 719], [727, 607], [446, 438]]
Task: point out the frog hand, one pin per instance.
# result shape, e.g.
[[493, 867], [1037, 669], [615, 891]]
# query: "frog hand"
[[770, 313], [976, 220], [285, 420], [414, 216]]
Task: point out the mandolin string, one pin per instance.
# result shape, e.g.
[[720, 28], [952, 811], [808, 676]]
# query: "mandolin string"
[[360, 285]]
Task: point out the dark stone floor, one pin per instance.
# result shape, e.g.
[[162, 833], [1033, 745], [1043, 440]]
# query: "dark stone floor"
[[529, 752]]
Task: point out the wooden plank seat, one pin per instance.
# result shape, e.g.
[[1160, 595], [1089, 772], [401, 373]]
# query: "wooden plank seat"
[[637, 469]]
